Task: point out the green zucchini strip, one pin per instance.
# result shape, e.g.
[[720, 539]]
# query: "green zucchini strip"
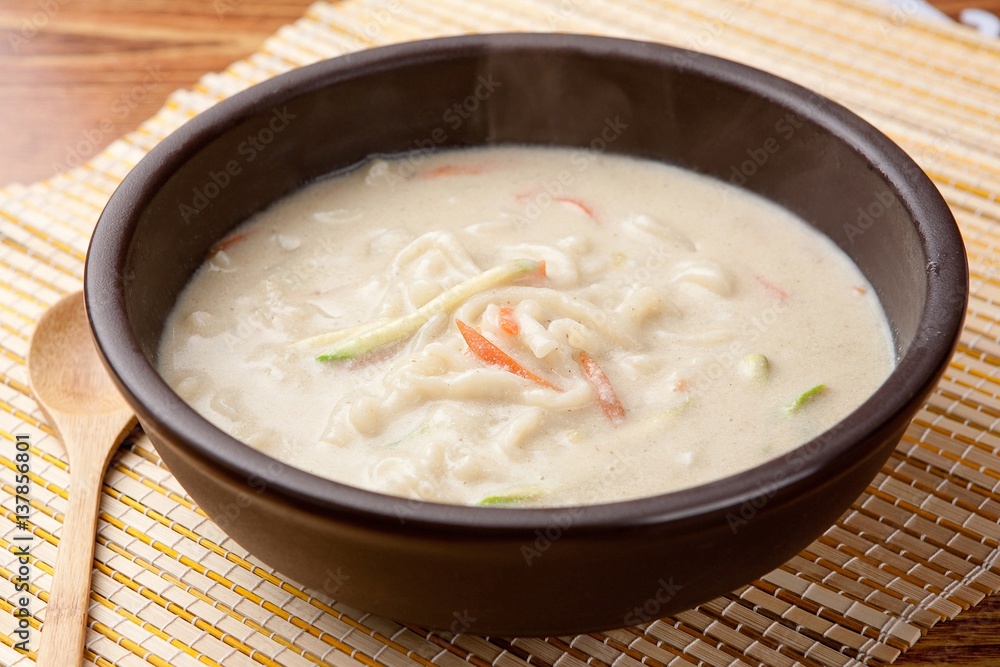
[[361, 340], [804, 399]]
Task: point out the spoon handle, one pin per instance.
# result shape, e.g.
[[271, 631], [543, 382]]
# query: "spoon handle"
[[65, 625]]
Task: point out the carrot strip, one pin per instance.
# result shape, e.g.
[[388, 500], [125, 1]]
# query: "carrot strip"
[[508, 322], [538, 193], [577, 203], [493, 355], [774, 290], [452, 170], [606, 396], [227, 242]]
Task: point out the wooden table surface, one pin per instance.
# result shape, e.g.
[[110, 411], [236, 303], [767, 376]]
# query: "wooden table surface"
[[77, 74]]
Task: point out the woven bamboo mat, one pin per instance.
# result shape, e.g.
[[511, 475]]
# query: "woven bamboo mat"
[[918, 546]]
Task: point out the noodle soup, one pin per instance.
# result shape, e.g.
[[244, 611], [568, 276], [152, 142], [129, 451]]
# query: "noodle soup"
[[516, 326]]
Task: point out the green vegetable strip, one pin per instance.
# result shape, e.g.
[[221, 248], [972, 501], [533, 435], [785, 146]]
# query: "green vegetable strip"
[[369, 339], [502, 501], [337, 336], [804, 398]]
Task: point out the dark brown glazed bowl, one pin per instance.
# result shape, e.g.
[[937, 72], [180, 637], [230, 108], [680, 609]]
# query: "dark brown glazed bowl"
[[527, 571]]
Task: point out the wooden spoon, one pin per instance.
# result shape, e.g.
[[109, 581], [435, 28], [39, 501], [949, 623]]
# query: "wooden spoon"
[[91, 418]]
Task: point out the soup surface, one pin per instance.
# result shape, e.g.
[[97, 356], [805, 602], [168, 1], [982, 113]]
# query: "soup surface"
[[526, 327]]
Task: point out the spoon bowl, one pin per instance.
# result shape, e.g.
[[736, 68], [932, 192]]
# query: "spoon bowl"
[[91, 418]]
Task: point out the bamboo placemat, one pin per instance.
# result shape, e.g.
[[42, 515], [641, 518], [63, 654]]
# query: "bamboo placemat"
[[918, 546]]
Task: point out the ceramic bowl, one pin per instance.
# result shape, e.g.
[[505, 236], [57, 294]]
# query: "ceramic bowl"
[[527, 571]]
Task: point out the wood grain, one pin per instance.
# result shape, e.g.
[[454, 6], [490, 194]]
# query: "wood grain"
[[76, 74], [954, 7], [973, 640]]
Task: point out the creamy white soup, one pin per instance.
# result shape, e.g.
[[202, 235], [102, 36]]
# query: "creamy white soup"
[[519, 326]]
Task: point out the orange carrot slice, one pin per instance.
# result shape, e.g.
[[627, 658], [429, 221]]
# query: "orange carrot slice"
[[452, 170], [225, 243], [606, 396], [493, 355], [775, 291], [508, 322], [589, 212]]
